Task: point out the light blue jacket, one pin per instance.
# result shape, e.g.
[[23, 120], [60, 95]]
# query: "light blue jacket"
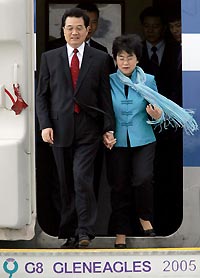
[[130, 113]]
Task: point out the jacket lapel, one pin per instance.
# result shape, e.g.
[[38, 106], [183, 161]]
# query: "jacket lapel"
[[65, 65], [86, 64]]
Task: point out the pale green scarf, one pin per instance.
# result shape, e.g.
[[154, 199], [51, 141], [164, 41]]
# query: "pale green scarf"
[[173, 114]]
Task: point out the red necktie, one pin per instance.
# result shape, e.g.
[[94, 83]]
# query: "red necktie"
[[74, 74]]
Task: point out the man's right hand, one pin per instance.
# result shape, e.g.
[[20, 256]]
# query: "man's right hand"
[[47, 135]]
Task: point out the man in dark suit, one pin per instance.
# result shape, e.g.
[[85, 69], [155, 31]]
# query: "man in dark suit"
[[92, 12], [73, 115], [160, 58], [155, 45], [174, 24]]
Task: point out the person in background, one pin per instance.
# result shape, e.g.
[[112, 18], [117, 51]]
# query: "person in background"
[[130, 162], [92, 12], [174, 22], [175, 139], [160, 58], [74, 109], [159, 55]]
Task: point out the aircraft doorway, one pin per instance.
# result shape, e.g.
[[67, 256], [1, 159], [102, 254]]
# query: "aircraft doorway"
[[168, 186]]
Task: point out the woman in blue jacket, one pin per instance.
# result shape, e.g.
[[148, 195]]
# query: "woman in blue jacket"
[[137, 106], [130, 161]]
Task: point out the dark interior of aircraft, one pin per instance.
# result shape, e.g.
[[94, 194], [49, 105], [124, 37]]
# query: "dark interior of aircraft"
[[168, 179]]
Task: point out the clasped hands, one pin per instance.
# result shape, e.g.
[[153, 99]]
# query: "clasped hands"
[[108, 137], [109, 140]]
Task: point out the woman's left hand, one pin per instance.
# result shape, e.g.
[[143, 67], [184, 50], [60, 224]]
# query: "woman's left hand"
[[109, 140], [154, 111]]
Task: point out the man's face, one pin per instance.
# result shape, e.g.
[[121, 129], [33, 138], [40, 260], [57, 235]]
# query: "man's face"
[[75, 31], [93, 24], [153, 29], [175, 29]]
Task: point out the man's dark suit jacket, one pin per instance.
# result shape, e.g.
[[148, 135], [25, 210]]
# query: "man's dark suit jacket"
[[61, 41], [55, 96], [97, 45], [167, 76]]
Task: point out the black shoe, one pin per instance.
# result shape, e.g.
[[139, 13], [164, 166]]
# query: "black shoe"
[[84, 242], [71, 243], [120, 245], [149, 233]]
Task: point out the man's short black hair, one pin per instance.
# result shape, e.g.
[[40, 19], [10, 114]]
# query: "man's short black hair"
[[89, 7], [75, 12], [151, 12], [174, 16]]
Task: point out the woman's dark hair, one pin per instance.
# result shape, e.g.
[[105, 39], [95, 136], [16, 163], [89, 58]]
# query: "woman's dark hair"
[[130, 43], [76, 12]]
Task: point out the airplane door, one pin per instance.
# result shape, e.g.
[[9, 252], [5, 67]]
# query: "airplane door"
[[17, 168]]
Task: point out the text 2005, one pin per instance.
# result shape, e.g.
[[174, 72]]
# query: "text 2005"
[[179, 265]]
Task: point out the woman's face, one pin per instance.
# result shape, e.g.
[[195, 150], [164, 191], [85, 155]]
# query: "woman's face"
[[126, 62]]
